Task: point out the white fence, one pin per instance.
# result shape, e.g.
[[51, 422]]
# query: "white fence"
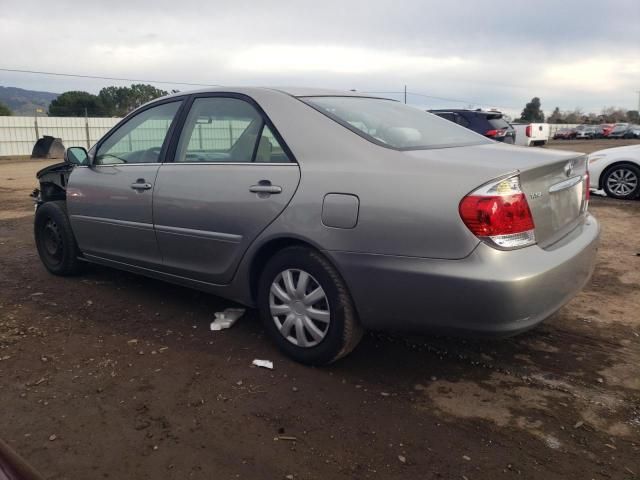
[[18, 135]]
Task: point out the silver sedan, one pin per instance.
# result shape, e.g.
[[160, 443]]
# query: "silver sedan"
[[330, 212]]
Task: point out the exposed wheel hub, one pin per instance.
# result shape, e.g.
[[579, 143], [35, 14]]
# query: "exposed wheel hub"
[[52, 240]]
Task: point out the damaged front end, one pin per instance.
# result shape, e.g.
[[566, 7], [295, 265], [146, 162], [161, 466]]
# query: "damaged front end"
[[53, 183]]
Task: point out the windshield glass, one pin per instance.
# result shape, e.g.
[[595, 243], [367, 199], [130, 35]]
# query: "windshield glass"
[[393, 124]]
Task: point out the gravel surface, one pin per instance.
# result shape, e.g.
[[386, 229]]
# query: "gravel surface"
[[111, 375]]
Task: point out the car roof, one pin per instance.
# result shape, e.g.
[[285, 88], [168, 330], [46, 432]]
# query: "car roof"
[[293, 91]]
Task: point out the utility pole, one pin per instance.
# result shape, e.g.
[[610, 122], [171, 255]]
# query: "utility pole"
[[405, 94], [638, 92], [35, 122], [86, 128]]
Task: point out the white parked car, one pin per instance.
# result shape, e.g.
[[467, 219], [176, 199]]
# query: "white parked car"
[[531, 134], [616, 171]]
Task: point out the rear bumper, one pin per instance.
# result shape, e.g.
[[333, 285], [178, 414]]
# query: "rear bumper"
[[490, 292]]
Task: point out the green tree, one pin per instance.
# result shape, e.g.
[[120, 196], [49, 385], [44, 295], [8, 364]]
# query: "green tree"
[[75, 104], [4, 110], [532, 112], [556, 116], [119, 101]]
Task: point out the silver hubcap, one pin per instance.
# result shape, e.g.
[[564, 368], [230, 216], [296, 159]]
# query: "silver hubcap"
[[622, 182], [299, 308]]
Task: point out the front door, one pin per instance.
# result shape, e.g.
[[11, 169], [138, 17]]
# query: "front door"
[[230, 178], [110, 202]]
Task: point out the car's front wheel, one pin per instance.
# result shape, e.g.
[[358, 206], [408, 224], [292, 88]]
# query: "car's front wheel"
[[55, 242], [306, 307], [622, 182]]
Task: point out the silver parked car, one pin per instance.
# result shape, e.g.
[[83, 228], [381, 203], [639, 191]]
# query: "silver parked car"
[[330, 212]]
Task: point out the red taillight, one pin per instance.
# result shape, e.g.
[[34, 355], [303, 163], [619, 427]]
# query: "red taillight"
[[495, 133], [488, 216], [587, 187], [500, 214], [527, 131]]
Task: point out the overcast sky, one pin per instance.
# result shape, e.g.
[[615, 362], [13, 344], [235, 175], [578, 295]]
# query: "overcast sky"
[[486, 53]]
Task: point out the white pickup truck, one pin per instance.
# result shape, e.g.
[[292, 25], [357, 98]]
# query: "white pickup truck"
[[531, 134]]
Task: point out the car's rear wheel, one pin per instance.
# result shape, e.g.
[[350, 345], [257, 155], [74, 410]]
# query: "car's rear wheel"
[[622, 181], [55, 242], [306, 308]]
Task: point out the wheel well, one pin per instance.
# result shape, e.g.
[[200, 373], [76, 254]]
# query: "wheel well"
[[50, 191], [610, 167], [263, 255]]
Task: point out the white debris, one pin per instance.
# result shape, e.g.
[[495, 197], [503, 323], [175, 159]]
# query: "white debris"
[[263, 363], [226, 318], [552, 442]]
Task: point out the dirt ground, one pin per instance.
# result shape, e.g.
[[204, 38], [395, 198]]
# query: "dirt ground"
[[111, 375]]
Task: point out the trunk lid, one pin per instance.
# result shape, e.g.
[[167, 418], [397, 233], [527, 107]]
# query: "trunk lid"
[[557, 196], [555, 192]]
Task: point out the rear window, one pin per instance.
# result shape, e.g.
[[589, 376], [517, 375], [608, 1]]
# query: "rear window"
[[393, 124], [498, 122]]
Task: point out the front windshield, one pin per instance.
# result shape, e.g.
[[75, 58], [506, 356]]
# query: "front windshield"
[[393, 124]]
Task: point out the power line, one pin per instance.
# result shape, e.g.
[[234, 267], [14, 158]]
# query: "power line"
[[421, 95], [445, 99], [98, 77], [166, 82]]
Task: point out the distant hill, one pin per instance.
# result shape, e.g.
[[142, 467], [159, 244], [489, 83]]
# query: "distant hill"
[[25, 102]]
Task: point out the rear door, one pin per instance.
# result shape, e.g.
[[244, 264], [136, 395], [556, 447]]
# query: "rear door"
[[230, 177], [110, 201]]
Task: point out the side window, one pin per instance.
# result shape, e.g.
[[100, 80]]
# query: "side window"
[[221, 129], [269, 149], [140, 139], [446, 116], [461, 120]]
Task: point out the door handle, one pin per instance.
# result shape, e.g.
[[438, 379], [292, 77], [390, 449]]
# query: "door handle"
[[141, 185], [264, 186]]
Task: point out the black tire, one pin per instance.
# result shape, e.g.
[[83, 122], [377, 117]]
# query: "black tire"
[[55, 242], [618, 170], [509, 140], [343, 332]]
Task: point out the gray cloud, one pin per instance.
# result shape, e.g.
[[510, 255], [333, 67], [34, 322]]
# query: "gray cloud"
[[490, 53]]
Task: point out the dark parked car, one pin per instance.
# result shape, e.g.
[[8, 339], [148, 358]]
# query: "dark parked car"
[[623, 130], [565, 134], [489, 124]]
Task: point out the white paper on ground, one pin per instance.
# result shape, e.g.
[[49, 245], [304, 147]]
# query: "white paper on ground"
[[263, 363], [226, 318]]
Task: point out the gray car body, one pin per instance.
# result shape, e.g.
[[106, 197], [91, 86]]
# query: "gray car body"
[[387, 219]]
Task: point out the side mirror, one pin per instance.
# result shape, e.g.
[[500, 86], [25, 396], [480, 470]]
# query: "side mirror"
[[76, 156]]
